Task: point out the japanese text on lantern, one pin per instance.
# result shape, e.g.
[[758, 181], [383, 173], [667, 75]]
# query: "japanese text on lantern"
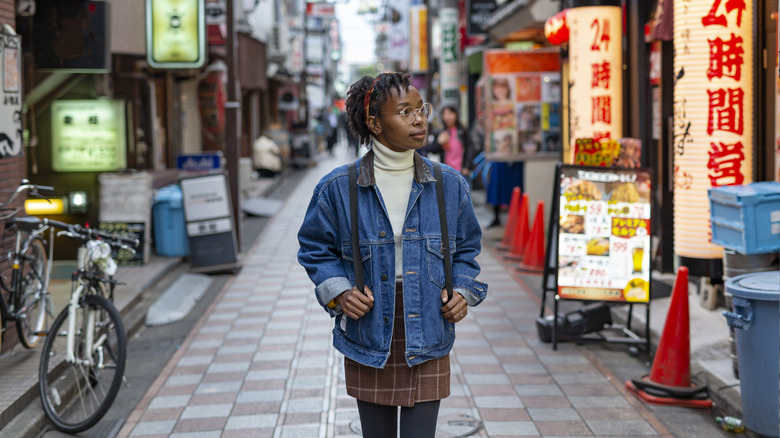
[[726, 104], [601, 105]]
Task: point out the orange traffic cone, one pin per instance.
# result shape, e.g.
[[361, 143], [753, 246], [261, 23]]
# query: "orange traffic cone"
[[520, 235], [669, 382], [533, 258], [509, 231]]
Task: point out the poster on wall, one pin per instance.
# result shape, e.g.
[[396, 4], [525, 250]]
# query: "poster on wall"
[[88, 135], [11, 100], [522, 103], [603, 234]]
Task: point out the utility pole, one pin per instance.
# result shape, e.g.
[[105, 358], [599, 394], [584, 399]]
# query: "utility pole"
[[232, 122]]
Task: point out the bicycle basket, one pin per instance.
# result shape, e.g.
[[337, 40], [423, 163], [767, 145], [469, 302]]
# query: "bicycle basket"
[[98, 254]]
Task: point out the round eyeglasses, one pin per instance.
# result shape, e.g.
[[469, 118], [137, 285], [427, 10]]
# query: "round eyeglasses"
[[409, 114]]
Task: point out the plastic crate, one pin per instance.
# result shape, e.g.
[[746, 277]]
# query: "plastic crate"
[[170, 232], [746, 218]]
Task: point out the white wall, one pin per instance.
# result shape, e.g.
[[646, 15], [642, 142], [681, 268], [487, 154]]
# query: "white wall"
[[128, 26]]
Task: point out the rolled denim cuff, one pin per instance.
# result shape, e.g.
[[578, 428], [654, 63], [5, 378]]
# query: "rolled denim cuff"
[[474, 291], [471, 299], [329, 289]]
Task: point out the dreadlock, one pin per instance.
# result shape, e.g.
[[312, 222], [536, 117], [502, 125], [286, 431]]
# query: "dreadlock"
[[380, 89]]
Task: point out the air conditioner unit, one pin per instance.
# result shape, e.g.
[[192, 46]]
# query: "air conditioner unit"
[[278, 43]]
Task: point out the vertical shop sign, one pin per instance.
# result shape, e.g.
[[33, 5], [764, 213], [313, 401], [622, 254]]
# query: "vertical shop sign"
[[450, 73], [399, 30], [596, 85], [418, 43], [212, 95], [11, 103], [175, 33], [713, 113]]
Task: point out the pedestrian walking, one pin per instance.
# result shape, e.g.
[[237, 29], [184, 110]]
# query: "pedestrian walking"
[[396, 333], [452, 142]]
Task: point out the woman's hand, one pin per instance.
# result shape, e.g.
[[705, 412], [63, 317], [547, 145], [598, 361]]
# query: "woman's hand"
[[354, 303], [454, 310]]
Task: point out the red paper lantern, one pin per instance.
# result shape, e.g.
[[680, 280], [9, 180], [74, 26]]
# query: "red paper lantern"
[[556, 29]]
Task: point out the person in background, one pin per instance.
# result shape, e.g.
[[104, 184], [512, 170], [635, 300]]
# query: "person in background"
[[396, 333], [452, 143], [504, 177]]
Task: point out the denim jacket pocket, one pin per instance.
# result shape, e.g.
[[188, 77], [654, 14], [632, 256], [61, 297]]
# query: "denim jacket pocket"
[[435, 259], [349, 266]]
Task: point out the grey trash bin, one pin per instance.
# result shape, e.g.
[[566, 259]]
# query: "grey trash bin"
[[756, 317]]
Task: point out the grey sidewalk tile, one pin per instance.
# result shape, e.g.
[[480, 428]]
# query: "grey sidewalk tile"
[[207, 411], [511, 428], [153, 428], [279, 340], [621, 428], [526, 390], [243, 334], [580, 378], [498, 401], [251, 421], [195, 360], [309, 382], [313, 404], [208, 434], [205, 343], [471, 360], [513, 351], [487, 379], [222, 316], [525, 369], [250, 320], [236, 349], [601, 401], [183, 379], [169, 401], [215, 328], [267, 356], [565, 414], [276, 374], [299, 431], [218, 387], [260, 396], [227, 367]]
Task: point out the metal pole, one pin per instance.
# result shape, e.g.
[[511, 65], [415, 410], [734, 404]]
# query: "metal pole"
[[232, 107]]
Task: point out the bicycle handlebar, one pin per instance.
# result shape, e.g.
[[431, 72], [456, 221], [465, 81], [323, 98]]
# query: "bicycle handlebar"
[[32, 188], [78, 232]]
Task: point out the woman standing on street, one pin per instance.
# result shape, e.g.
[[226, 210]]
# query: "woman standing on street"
[[396, 333], [452, 142]]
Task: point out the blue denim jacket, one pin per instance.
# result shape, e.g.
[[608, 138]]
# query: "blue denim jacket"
[[326, 254]]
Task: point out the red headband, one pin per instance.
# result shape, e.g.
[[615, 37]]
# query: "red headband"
[[367, 99]]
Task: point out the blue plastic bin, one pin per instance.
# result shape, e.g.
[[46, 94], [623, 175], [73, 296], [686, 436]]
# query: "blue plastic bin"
[[746, 218], [170, 233], [757, 320]]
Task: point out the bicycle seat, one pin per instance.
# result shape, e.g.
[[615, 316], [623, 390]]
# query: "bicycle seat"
[[27, 223]]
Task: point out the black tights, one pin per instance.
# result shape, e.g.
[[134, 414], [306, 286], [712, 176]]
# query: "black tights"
[[378, 421]]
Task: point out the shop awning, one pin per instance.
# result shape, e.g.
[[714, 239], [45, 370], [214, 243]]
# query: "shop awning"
[[521, 19]]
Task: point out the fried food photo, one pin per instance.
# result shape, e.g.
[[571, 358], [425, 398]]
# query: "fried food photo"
[[598, 246], [573, 224], [583, 189], [625, 192]]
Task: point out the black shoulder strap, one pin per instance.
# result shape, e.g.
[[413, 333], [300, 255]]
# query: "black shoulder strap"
[[357, 258], [445, 235]]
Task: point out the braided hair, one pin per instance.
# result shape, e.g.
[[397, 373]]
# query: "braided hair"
[[380, 89]]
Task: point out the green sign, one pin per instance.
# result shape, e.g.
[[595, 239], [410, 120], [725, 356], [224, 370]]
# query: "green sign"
[[88, 135], [175, 33]]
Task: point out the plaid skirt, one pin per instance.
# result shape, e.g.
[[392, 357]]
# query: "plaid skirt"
[[398, 384]]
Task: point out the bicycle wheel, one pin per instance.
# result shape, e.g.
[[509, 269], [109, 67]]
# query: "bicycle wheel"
[[33, 302], [75, 396]]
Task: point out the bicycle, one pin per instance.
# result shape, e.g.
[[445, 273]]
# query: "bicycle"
[[83, 359], [29, 302]]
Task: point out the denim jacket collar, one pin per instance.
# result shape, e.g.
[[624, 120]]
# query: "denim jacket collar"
[[422, 173]]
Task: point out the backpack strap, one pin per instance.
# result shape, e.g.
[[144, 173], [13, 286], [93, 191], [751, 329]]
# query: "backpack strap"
[[445, 235], [357, 258]]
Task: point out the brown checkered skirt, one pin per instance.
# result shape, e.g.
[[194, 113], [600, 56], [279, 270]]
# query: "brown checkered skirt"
[[397, 384]]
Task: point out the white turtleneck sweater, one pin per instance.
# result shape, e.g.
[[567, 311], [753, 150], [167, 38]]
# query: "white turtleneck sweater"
[[394, 173]]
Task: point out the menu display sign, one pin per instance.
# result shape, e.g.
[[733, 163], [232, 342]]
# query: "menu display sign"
[[603, 239], [88, 135]]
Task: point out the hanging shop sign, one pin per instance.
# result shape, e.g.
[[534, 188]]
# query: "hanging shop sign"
[[418, 42], [88, 135], [11, 97], [398, 37], [595, 63], [603, 234], [450, 48], [212, 95], [556, 30], [175, 33], [479, 12], [523, 103], [713, 113]]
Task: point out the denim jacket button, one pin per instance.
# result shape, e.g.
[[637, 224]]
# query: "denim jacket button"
[[387, 320], [384, 277], [382, 234]]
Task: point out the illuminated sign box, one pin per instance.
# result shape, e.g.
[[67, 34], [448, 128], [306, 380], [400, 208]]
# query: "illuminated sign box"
[[175, 33], [88, 135]]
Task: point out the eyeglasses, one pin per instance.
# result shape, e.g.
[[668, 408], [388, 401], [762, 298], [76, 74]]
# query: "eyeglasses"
[[409, 114]]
